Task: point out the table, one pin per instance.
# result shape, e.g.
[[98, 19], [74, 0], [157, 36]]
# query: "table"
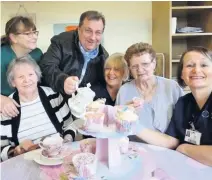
[[175, 164]]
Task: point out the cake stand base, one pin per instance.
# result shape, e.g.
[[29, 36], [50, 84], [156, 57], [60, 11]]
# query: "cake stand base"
[[108, 151]]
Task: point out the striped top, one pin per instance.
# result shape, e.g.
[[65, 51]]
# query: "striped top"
[[34, 123], [47, 114]]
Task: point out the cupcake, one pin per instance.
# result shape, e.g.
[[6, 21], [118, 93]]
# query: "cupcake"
[[137, 102], [85, 164], [95, 105], [94, 121], [126, 119], [88, 145]]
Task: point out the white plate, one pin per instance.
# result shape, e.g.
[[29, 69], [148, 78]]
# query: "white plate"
[[46, 162], [31, 154]]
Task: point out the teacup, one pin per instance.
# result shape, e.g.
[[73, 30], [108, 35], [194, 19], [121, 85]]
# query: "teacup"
[[138, 102], [124, 145], [52, 145]]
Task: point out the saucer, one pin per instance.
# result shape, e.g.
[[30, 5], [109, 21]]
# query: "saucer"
[[47, 162]]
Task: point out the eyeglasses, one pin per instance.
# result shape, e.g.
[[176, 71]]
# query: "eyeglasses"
[[29, 34], [89, 32], [142, 65]]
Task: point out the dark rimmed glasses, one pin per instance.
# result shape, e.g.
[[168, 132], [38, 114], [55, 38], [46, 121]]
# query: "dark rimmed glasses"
[[29, 34]]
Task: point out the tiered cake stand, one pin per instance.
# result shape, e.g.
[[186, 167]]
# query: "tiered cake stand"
[[107, 145]]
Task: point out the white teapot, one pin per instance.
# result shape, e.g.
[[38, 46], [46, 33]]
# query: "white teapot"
[[77, 103]]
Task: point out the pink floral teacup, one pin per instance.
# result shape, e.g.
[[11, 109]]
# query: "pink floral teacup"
[[51, 145]]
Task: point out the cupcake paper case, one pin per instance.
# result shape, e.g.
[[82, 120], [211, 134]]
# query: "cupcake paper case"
[[88, 145], [85, 164], [126, 119], [94, 121], [109, 129]]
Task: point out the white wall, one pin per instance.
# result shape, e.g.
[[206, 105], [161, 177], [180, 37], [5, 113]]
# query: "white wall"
[[126, 22]]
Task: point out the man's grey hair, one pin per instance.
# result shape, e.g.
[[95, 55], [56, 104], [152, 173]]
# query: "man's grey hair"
[[19, 61]]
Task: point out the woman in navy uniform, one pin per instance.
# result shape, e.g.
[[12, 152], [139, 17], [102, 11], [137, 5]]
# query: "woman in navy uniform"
[[190, 130]]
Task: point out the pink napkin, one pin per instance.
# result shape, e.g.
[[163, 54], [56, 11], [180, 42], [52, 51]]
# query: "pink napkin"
[[52, 172], [55, 172], [68, 159]]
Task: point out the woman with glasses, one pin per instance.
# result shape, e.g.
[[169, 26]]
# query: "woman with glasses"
[[115, 73], [190, 129], [159, 94], [20, 39]]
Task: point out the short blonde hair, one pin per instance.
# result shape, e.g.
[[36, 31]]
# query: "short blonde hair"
[[117, 60]]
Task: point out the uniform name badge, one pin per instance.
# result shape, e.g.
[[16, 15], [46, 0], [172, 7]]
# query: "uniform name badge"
[[193, 136]]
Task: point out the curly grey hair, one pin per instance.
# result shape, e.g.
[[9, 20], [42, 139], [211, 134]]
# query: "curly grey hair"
[[19, 61]]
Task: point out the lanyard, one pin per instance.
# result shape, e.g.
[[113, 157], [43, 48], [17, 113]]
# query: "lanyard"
[[192, 126], [204, 113]]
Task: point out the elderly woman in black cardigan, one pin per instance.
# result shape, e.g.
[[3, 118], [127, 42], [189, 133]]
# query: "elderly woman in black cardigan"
[[42, 111]]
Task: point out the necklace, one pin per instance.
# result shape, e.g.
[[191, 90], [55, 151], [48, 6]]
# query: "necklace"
[[147, 96]]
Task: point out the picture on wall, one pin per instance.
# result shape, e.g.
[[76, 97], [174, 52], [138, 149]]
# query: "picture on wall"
[[30, 15], [64, 27]]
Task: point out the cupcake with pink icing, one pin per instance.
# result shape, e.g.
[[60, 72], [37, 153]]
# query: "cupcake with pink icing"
[[85, 164], [94, 121], [126, 119]]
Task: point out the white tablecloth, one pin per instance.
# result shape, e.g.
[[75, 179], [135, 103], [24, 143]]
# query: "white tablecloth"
[[176, 165]]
